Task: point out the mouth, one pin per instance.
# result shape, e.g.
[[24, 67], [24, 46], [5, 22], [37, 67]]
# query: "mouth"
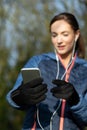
[[61, 47]]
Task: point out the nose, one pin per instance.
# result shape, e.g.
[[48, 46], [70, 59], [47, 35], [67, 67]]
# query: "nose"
[[59, 39]]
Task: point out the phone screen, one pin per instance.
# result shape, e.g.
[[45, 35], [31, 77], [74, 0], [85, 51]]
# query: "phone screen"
[[29, 74]]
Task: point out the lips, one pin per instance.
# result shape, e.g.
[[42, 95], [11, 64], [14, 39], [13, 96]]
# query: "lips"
[[61, 47]]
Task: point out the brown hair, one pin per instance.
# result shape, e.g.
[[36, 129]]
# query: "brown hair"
[[70, 19]]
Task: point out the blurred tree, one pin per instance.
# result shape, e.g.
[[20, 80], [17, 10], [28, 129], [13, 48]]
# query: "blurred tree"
[[24, 31]]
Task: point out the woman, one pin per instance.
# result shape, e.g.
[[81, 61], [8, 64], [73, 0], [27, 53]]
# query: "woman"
[[57, 100]]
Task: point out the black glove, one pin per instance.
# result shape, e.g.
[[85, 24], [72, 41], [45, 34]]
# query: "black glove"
[[30, 93], [65, 90]]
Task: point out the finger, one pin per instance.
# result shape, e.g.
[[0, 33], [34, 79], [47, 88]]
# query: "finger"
[[59, 82], [37, 100], [37, 95], [57, 89], [62, 89], [60, 96], [35, 90]]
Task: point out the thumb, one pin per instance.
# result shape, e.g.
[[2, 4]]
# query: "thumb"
[[58, 82]]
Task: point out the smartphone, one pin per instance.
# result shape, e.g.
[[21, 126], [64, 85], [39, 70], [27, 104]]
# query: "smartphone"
[[29, 74]]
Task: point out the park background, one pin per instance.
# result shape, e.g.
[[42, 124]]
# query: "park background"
[[24, 32]]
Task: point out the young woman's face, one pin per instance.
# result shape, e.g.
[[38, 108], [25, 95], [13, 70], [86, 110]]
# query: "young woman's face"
[[63, 37]]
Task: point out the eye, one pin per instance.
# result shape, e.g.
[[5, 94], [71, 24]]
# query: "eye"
[[65, 34], [53, 34]]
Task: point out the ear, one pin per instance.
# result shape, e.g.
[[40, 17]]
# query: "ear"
[[77, 35]]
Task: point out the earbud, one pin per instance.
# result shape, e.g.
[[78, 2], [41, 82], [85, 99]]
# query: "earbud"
[[76, 38]]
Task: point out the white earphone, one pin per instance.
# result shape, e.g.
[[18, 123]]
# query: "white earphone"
[[76, 39]]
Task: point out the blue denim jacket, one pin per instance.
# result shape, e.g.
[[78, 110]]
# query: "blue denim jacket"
[[75, 117]]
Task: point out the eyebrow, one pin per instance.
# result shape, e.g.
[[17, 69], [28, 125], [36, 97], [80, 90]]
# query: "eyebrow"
[[61, 32], [53, 33]]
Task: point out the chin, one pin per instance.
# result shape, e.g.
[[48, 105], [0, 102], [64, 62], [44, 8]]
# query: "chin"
[[61, 53]]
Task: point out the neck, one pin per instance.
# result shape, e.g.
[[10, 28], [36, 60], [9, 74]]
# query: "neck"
[[65, 60]]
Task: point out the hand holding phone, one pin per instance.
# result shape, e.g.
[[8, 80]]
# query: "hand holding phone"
[[30, 93]]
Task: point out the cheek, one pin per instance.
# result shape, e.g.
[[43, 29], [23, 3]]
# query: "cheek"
[[69, 41], [53, 41], [70, 45]]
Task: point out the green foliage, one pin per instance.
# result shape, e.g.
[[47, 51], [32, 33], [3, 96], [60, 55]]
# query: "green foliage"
[[24, 32]]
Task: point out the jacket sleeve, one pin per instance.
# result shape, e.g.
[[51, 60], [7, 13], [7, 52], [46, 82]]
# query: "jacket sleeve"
[[33, 62], [79, 111], [8, 96]]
